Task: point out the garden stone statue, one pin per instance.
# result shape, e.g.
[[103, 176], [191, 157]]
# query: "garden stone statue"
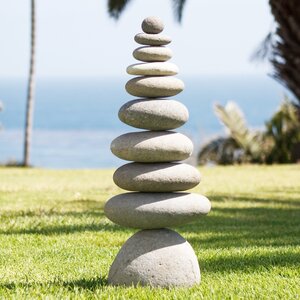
[[156, 255]]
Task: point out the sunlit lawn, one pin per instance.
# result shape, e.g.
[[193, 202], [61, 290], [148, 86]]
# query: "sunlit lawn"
[[56, 243]]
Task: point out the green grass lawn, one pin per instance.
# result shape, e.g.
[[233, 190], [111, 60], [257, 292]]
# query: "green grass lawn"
[[55, 241]]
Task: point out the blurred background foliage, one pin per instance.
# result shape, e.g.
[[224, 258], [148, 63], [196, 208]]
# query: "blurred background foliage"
[[277, 143]]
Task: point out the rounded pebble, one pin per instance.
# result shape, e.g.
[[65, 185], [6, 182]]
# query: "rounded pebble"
[[153, 68], [152, 25], [152, 53], [152, 146], [156, 86], [154, 114], [156, 210], [152, 39], [157, 258], [159, 177]]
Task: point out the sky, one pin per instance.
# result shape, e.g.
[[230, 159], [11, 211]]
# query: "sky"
[[77, 38]]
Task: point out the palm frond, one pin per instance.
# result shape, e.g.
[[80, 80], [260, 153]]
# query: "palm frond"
[[233, 119], [265, 49], [178, 6], [116, 7], [286, 60]]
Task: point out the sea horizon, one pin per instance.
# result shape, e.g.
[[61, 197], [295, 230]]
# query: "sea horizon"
[[76, 119]]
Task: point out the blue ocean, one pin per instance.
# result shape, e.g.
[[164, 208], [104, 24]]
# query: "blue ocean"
[[76, 119]]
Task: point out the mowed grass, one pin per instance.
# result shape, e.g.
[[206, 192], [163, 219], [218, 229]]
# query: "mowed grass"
[[55, 242]]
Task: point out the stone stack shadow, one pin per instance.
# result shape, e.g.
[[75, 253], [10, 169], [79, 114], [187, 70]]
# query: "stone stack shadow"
[[155, 256]]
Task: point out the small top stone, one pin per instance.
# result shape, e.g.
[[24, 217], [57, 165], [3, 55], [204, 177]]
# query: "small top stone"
[[152, 25]]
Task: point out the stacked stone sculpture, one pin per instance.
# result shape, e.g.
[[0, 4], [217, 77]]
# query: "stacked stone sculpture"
[[155, 256]]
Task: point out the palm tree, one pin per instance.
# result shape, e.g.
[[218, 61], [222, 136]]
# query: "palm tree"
[[282, 45], [285, 49], [285, 56], [30, 92]]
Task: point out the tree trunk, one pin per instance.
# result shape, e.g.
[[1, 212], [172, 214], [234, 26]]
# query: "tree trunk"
[[286, 50], [30, 92]]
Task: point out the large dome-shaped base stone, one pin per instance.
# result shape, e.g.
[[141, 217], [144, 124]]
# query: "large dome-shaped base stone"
[[157, 257]]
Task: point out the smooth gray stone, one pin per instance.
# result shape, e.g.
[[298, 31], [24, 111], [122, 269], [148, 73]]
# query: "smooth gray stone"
[[153, 69], [159, 177], [152, 25], [152, 53], [152, 39], [154, 87], [156, 210], [154, 114], [152, 146], [158, 258]]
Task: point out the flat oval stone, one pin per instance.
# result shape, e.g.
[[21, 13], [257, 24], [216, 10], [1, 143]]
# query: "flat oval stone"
[[156, 86], [157, 258], [154, 68], [152, 146], [152, 25], [152, 53], [159, 177], [156, 210], [152, 39], [154, 114]]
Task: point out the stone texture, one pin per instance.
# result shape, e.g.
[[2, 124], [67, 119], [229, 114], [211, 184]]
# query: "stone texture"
[[153, 69], [154, 114], [152, 146], [158, 177], [152, 39], [154, 87], [152, 53], [152, 25], [159, 258], [156, 210]]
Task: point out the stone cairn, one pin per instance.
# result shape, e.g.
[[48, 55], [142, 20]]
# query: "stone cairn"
[[154, 256]]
